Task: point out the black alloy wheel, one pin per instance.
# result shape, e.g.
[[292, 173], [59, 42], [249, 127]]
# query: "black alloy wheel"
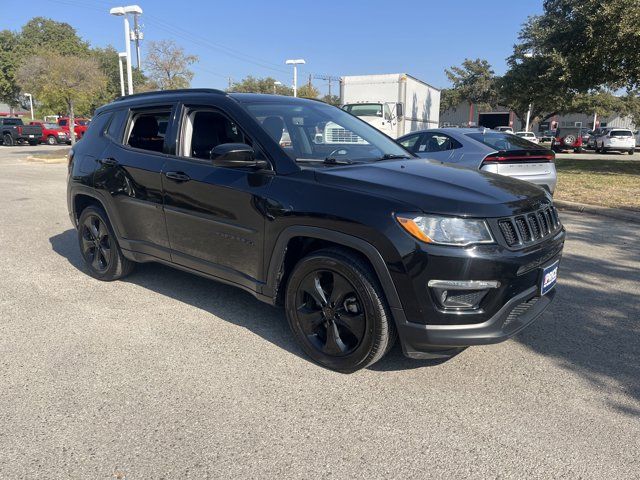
[[330, 313], [96, 243], [337, 310], [7, 140], [99, 246]]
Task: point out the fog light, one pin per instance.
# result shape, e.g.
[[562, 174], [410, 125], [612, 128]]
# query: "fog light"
[[461, 294]]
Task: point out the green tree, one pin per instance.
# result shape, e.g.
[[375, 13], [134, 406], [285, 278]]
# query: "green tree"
[[308, 91], [252, 84], [473, 81], [331, 99], [168, 66], [41, 34], [9, 89], [62, 82], [596, 42]]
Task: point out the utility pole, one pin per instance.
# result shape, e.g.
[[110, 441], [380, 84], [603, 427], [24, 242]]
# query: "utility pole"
[[329, 79]]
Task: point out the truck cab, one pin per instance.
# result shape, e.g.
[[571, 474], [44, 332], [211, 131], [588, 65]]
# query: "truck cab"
[[381, 115]]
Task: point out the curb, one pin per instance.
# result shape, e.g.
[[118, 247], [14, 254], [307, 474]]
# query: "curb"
[[618, 213], [31, 158]]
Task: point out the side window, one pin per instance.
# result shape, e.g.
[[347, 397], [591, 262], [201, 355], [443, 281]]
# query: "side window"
[[62, 123], [144, 129], [410, 142], [387, 112], [114, 130], [437, 142], [203, 130], [98, 125]]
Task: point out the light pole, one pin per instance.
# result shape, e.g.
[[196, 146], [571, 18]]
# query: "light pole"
[[121, 55], [526, 128], [30, 103], [123, 12], [275, 84], [295, 63]]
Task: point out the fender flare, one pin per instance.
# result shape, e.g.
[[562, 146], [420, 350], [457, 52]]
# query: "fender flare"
[[356, 243]]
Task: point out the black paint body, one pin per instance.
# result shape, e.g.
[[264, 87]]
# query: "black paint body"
[[245, 227]]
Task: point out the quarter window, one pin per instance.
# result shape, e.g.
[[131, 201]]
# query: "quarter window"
[[410, 141]]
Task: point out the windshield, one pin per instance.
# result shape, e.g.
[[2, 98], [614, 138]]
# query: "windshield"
[[317, 132], [364, 109], [50, 126], [503, 141], [621, 133]]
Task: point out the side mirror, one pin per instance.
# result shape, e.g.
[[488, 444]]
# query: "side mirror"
[[235, 155], [399, 110]]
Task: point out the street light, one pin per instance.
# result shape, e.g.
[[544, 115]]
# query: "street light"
[[275, 84], [30, 103], [121, 55], [124, 12], [295, 63]]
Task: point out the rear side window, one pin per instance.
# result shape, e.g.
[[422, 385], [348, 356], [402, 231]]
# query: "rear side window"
[[98, 125], [503, 141], [146, 129], [12, 121], [436, 142]]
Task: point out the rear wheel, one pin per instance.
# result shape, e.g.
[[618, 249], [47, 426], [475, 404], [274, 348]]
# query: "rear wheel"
[[33, 143], [7, 140], [99, 246], [337, 311], [631, 152]]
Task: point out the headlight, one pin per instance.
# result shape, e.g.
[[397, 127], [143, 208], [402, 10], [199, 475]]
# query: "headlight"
[[446, 230]]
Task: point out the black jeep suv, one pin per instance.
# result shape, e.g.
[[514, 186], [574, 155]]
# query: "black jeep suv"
[[359, 240]]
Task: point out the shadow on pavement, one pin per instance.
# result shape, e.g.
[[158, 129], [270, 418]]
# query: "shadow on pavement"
[[225, 302], [593, 327]]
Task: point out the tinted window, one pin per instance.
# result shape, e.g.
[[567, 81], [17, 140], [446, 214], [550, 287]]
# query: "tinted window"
[[12, 121], [144, 131], [99, 125], [436, 142], [205, 130], [410, 141], [114, 130], [62, 123], [503, 141], [621, 133]]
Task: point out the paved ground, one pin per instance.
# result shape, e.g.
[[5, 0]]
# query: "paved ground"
[[167, 375]]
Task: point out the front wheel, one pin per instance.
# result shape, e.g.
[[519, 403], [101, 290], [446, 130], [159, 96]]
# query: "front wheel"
[[337, 311], [51, 140], [7, 140], [631, 152], [99, 246]]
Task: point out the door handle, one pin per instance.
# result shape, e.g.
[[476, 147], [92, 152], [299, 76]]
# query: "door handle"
[[178, 176], [109, 162]]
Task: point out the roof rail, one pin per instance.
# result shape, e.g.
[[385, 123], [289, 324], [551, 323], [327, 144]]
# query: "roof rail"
[[169, 92]]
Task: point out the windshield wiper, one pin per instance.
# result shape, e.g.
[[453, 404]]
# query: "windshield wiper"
[[392, 156], [335, 161]]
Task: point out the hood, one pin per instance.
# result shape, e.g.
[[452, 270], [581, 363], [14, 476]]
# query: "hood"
[[436, 188]]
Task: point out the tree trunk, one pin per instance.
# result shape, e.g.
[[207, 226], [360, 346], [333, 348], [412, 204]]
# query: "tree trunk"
[[72, 122]]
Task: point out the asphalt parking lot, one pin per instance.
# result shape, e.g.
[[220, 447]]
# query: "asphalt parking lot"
[[168, 375]]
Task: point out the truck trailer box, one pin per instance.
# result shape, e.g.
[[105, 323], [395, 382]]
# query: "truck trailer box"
[[394, 103]]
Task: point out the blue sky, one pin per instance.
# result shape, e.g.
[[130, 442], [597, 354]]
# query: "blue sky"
[[248, 37]]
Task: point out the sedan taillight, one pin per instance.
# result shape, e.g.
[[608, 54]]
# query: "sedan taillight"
[[504, 157]]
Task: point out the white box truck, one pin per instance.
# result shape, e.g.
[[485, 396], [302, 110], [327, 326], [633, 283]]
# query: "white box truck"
[[395, 103]]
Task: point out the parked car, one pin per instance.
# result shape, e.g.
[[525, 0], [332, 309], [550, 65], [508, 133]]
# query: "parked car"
[[13, 131], [528, 136], [504, 129], [358, 242], [486, 150], [52, 133], [567, 138], [81, 125], [593, 134], [547, 136], [615, 140], [637, 138]]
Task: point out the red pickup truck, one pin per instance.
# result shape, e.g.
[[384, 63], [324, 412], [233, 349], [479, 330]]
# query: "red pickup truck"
[[81, 125], [52, 133]]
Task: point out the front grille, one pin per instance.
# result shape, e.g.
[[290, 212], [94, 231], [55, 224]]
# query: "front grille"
[[522, 230]]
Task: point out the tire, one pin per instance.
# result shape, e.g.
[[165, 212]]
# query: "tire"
[[578, 150], [631, 152], [99, 247], [337, 311], [51, 140], [7, 140]]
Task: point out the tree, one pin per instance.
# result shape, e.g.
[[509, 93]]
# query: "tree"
[[473, 81], [308, 91], [168, 66], [9, 89], [62, 82], [331, 100], [41, 34], [252, 84], [597, 42]]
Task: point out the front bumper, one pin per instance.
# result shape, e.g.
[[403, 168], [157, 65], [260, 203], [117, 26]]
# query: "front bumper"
[[429, 330]]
